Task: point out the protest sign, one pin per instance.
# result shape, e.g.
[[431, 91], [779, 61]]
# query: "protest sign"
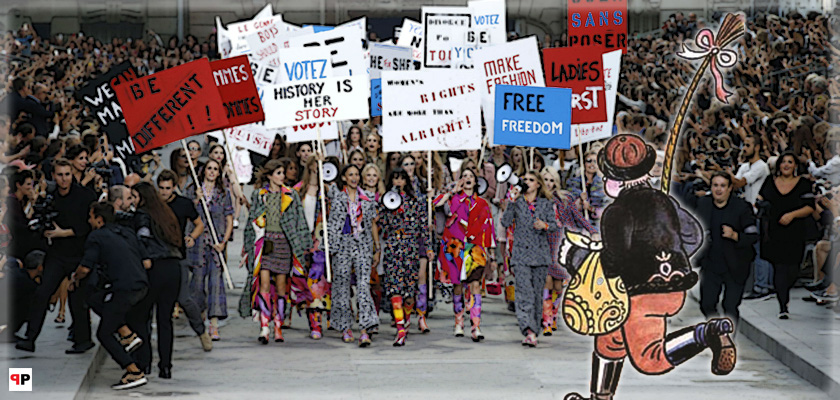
[[385, 57], [445, 32], [580, 69], [598, 23], [170, 105], [308, 132], [489, 23], [512, 63], [411, 35], [533, 116], [601, 130], [265, 43], [238, 90], [300, 64], [231, 41], [427, 110], [375, 97], [98, 94], [344, 44], [254, 137], [317, 100]]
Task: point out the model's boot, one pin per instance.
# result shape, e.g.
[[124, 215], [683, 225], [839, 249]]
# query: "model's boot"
[[314, 324], [279, 317], [265, 308], [422, 303], [475, 318], [547, 312], [399, 317], [458, 307]]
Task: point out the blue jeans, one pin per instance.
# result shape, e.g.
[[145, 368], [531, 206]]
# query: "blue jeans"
[[763, 272]]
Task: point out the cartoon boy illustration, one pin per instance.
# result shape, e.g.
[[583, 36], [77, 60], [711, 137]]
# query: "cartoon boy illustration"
[[648, 240]]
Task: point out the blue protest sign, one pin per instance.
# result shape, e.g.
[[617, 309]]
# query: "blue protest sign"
[[533, 116], [319, 28], [375, 97]]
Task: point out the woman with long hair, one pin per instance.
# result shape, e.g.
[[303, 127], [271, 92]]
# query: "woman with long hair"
[[309, 288], [372, 181], [373, 150], [292, 171], [277, 209], [355, 243], [207, 285], [401, 229], [568, 218], [303, 151], [354, 139], [278, 149], [593, 199], [409, 164], [217, 152], [783, 245], [357, 158], [518, 161], [467, 244], [392, 161], [532, 216], [179, 163], [160, 233], [82, 174]]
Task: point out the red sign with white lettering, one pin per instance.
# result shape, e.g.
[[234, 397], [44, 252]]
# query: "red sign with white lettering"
[[239, 92], [580, 69], [600, 23], [170, 105]]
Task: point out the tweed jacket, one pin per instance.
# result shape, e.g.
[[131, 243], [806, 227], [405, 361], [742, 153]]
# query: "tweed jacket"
[[338, 214], [530, 246], [291, 219]]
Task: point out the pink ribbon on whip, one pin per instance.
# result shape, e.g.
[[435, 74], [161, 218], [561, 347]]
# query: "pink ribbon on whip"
[[725, 58]]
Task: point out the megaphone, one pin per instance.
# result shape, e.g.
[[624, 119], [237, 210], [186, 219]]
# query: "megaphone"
[[392, 200], [330, 172], [505, 175], [481, 186]]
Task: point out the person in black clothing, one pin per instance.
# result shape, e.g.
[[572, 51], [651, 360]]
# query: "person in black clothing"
[[725, 259], [121, 283], [20, 282], [159, 232], [23, 240], [185, 211], [32, 104], [66, 239]]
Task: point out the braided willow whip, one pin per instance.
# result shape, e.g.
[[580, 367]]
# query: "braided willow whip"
[[713, 53]]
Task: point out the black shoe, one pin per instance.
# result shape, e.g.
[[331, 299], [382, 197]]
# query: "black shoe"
[[25, 345], [511, 307], [165, 373], [755, 296], [130, 380], [79, 349], [70, 335]]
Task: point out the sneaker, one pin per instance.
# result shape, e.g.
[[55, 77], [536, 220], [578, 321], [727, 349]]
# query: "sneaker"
[[235, 224], [530, 340], [348, 336], [422, 326], [476, 335], [264, 332], [784, 315], [315, 335], [547, 331], [723, 354], [823, 295], [374, 330], [131, 342], [816, 285], [214, 333], [364, 340], [400, 339], [206, 342], [757, 295], [130, 380], [459, 331]]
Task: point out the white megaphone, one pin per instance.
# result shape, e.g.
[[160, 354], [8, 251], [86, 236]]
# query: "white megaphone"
[[481, 186], [505, 175], [330, 172], [392, 200]]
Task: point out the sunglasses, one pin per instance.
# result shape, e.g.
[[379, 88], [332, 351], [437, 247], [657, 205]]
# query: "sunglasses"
[[195, 149], [530, 180], [408, 164], [590, 161]]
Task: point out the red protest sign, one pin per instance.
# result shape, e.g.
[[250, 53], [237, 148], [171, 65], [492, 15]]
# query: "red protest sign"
[[598, 23], [171, 105], [579, 69], [239, 92]]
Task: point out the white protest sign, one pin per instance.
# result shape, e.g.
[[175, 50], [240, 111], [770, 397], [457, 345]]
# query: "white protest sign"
[[231, 41], [445, 34], [489, 23], [513, 63], [428, 110], [602, 130], [345, 46], [385, 57], [265, 43], [254, 137], [318, 100], [411, 35], [304, 64], [308, 132]]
